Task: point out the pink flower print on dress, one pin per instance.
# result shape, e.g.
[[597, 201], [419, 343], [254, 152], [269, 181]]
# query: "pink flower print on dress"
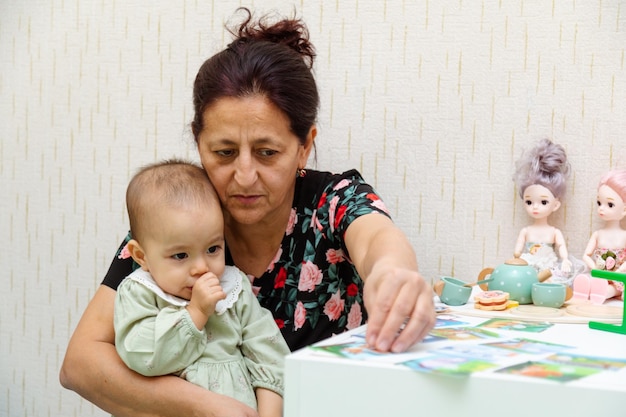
[[334, 256], [293, 219], [299, 316], [310, 277], [331, 212], [315, 223], [334, 307], [609, 263], [124, 253], [354, 317], [341, 184]]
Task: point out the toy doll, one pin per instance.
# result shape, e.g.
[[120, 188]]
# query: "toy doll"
[[541, 176], [606, 249]]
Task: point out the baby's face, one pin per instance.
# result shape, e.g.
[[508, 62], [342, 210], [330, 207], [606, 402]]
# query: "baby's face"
[[539, 201], [610, 204], [185, 244]]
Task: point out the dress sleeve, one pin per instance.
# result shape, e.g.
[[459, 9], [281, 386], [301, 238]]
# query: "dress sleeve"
[[152, 336], [121, 266], [263, 346]]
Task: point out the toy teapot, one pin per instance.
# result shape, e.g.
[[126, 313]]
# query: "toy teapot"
[[516, 277]]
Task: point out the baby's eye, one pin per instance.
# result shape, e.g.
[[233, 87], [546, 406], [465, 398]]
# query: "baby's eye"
[[544, 202], [598, 203], [611, 205], [528, 203], [180, 256], [213, 249]]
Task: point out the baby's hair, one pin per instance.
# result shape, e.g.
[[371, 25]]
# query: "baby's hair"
[[546, 164], [616, 180], [173, 182]]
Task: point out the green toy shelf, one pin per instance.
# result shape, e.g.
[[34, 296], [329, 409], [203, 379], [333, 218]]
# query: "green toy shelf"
[[615, 328]]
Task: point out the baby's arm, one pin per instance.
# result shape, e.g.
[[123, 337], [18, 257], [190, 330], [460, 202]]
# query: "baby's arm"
[[154, 340], [269, 403], [264, 349]]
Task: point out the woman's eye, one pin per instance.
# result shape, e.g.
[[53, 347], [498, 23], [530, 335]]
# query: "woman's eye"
[[179, 256], [267, 152], [225, 152]]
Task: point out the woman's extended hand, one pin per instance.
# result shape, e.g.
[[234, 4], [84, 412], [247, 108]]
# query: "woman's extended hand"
[[400, 307], [399, 302]]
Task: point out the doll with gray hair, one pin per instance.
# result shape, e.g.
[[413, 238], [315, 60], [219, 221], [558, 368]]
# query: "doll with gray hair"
[[541, 176]]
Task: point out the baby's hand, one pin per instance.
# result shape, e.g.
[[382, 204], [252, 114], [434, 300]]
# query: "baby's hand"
[[205, 294], [566, 266]]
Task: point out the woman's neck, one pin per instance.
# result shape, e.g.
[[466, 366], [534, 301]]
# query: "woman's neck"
[[254, 246]]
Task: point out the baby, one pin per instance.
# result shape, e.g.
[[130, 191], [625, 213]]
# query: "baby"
[[183, 311]]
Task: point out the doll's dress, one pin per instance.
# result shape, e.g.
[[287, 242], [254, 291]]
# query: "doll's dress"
[[542, 256], [610, 260]]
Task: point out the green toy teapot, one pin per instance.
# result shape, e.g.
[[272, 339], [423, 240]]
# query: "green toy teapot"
[[516, 277]]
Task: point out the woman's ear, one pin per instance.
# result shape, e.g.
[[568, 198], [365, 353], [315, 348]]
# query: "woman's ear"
[[138, 254], [305, 149]]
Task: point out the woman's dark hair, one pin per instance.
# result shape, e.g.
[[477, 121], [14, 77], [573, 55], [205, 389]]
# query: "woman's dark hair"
[[271, 60]]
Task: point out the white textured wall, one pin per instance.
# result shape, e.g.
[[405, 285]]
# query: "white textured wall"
[[432, 100]]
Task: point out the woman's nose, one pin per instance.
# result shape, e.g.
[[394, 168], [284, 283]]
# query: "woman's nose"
[[245, 171]]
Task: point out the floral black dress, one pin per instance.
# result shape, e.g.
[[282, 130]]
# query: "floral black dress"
[[311, 287]]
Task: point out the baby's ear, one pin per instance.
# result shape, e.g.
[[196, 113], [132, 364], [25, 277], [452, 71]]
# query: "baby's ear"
[[557, 205], [138, 254]]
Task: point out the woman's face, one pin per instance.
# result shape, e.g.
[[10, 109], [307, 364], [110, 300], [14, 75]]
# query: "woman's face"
[[251, 157]]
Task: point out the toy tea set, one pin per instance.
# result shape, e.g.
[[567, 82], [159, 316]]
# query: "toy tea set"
[[541, 175], [514, 284]]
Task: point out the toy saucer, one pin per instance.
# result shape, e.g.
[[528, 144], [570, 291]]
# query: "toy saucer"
[[536, 311], [595, 310]]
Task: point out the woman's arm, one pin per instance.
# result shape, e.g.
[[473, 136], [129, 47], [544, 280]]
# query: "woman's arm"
[[93, 369], [394, 289]]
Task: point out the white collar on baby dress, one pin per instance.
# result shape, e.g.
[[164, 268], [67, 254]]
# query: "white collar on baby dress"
[[230, 282]]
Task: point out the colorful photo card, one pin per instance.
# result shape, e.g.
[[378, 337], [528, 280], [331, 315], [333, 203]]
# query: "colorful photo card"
[[595, 362], [519, 325], [477, 351], [463, 333], [549, 371], [533, 347], [353, 350], [448, 365], [444, 320]]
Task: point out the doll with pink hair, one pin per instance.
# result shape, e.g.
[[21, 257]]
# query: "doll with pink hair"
[[606, 249], [541, 175]]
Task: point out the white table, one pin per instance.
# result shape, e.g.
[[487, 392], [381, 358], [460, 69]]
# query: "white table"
[[319, 385]]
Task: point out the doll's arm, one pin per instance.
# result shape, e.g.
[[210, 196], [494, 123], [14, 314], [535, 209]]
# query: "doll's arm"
[[591, 246], [559, 240], [519, 244]]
